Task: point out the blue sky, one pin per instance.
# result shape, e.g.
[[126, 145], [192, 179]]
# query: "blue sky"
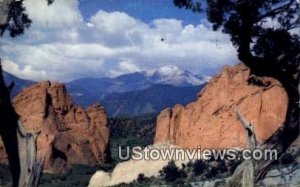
[[96, 38], [145, 10]]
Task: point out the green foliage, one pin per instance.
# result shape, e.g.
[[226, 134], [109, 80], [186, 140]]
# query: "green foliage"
[[263, 33], [193, 171], [141, 178], [79, 175], [125, 131], [17, 20], [199, 170], [279, 47], [258, 27], [140, 126], [216, 168], [287, 158], [199, 167], [171, 172], [195, 6], [13, 17], [245, 18]]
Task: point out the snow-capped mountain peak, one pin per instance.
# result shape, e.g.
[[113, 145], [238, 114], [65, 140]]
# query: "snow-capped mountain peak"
[[174, 75]]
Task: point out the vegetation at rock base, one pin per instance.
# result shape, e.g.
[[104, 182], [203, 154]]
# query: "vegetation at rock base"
[[125, 131], [131, 131], [171, 172], [192, 172], [216, 171]]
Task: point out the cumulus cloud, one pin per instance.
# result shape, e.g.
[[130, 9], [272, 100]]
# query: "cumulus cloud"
[[126, 66], [24, 72], [62, 13], [66, 47], [113, 22]]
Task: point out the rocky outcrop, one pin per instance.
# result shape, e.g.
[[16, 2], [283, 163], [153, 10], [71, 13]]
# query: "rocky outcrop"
[[69, 134], [128, 171], [211, 121]]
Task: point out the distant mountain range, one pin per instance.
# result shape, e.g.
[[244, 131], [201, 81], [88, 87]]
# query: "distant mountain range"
[[82, 93], [132, 94], [150, 100], [19, 83]]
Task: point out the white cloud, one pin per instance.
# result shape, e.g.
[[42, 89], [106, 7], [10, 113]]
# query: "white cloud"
[[24, 72], [125, 66], [109, 44], [61, 13], [113, 22]]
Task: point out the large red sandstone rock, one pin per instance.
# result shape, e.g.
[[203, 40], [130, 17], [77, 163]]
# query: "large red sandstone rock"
[[69, 134], [211, 121]]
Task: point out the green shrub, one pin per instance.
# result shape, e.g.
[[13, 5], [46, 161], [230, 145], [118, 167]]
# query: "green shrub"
[[141, 178], [287, 159], [171, 172], [199, 166]]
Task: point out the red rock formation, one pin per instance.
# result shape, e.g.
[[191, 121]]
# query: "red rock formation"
[[69, 134], [211, 120]]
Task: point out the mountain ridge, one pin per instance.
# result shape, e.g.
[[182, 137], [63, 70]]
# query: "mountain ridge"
[[150, 100], [81, 90], [131, 94], [20, 84]]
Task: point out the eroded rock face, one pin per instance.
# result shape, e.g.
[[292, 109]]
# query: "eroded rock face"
[[211, 121], [69, 134]]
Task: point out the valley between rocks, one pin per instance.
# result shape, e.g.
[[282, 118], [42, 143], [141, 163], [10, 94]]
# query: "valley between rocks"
[[77, 141]]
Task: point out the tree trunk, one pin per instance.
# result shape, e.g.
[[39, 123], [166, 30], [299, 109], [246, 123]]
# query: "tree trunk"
[[244, 175], [289, 132], [20, 145], [31, 167], [260, 167]]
